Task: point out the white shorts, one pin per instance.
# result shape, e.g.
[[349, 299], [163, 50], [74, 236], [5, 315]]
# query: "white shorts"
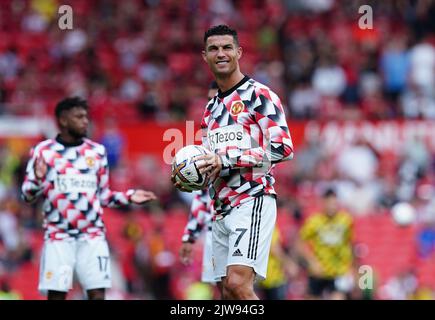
[[244, 236], [89, 259], [207, 262]]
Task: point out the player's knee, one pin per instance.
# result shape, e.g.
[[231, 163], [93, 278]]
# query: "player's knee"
[[238, 290]]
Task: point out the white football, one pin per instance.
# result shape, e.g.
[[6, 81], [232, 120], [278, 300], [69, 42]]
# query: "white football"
[[403, 213], [185, 170]]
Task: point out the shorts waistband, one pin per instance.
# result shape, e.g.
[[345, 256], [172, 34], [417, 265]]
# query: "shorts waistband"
[[220, 216]]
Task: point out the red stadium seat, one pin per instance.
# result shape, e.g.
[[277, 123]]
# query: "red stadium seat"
[[390, 249], [25, 281]]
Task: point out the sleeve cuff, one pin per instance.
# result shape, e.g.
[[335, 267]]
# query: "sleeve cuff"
[[188, 238], [226, 163], [129, 193]]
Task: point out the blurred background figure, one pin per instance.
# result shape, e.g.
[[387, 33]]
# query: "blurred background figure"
[[281, 269], [327, 248]]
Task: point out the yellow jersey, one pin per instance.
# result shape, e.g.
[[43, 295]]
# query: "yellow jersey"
[[330, 238], [275, 270]]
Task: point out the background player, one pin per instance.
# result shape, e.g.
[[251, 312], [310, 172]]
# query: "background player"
[[326, 246], [200, 217], [281, 268], [199, 220], [71, 174]]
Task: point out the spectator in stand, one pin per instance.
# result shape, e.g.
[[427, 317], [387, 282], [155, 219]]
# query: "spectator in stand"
[[304, 101], [400, 287], [395, 66], [113, 140], [422, 66], [357, 166], [329, 78]]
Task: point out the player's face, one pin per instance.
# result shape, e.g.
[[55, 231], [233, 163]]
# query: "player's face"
[[331, 205], [222, 55], [77, 122]]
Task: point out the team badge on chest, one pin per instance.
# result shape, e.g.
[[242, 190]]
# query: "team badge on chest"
[[236, 107], [90, 162]]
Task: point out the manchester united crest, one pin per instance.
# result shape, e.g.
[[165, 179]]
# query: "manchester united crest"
[[90, 161], [236, 107]]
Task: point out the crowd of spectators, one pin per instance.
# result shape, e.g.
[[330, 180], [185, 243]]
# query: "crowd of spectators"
[[145, 56]]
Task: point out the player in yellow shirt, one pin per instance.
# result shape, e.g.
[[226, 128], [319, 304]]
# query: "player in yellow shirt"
[[326, 246], [280, 269]]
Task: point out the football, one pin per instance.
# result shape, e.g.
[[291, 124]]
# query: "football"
[[403, 214], [184, 168]]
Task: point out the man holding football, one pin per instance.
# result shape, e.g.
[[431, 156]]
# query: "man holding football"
[[245, 128]]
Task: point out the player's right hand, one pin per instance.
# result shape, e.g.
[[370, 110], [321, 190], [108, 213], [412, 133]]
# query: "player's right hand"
[[186, 253], [178, 185], [40, 168]]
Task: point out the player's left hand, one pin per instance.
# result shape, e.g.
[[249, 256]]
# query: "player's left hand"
[[210, 164], [291, 268], [142, 196], [186, 252]]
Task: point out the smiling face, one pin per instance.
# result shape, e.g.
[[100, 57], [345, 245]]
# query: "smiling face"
[[222, 54]]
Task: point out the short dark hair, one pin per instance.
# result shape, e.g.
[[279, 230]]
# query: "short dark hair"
[[329, 192], [69, 103], [221, 30]]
